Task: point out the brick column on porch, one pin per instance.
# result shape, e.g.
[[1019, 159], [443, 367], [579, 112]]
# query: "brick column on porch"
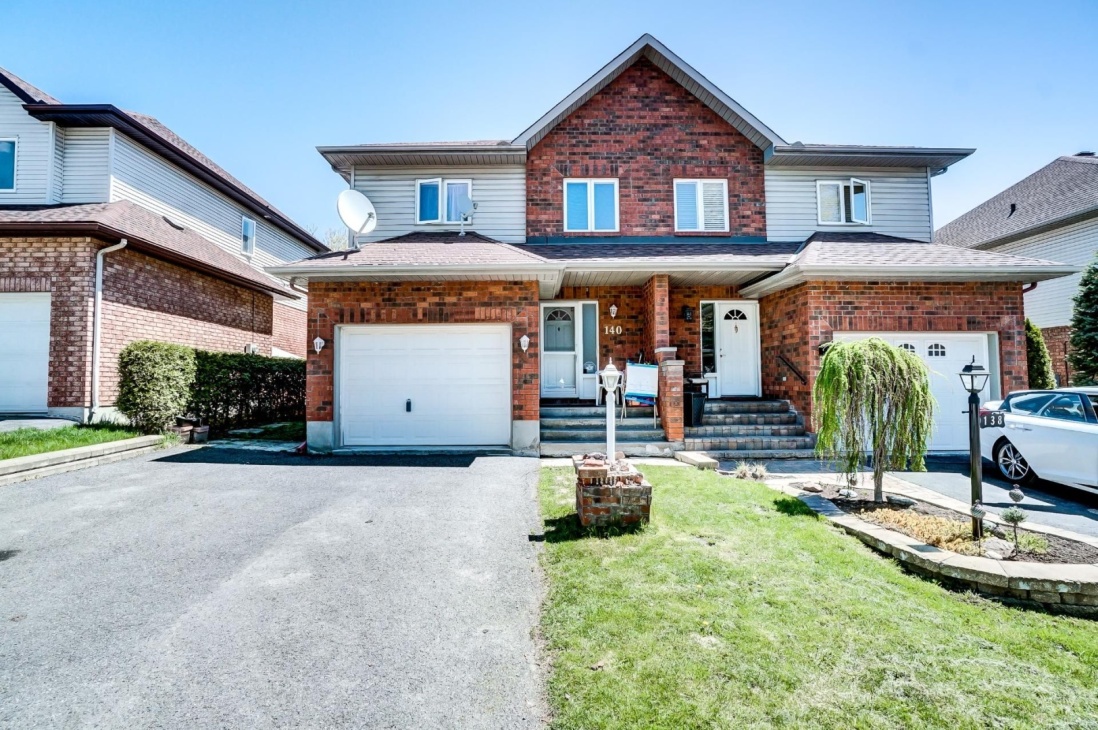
[[671, 395], [657, 332]]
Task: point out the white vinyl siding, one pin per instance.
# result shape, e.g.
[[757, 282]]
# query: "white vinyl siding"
[[86, 174], [57, 179], [151, 182], [499, 192], [701, 205], [1051, 303], [34, 152], [900, 202]]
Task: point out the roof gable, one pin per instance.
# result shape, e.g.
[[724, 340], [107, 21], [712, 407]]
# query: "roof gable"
[[648, 47], [1062, 192]]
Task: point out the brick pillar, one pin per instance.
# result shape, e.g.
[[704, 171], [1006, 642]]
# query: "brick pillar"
[[657, 312], [671, 399]]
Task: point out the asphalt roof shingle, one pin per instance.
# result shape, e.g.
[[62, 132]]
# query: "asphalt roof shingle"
[[1064, 189], [158, 233], [434, 248], [678, 253]]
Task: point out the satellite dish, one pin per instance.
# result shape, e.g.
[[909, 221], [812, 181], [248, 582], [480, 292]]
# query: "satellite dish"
[[356, 212], [465, 209]]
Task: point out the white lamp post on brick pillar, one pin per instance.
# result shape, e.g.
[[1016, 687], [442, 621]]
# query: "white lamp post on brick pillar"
[[611, 376]]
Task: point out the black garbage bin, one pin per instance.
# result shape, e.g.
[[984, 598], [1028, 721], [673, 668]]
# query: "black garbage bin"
[[695, 408]]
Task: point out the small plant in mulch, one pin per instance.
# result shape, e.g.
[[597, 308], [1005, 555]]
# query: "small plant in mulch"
[[1013, 516], [750, 470]]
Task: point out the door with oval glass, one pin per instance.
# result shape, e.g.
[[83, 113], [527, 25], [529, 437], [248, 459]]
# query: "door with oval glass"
[[738, 348], [558, 351]]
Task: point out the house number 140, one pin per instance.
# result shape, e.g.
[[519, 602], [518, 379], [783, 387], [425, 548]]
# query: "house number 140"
[[612, 329]]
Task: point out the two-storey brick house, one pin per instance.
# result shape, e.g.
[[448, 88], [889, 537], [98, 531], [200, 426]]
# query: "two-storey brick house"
[[646, 217], [114, 229]]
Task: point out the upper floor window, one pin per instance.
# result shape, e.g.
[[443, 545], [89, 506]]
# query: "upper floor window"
[[438, 200], [591, 205], [247, 236], [843, 201], [7, 164], [701, 205]]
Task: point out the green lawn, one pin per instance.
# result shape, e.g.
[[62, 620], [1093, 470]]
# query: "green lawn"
[[738, 608], [27, 441]]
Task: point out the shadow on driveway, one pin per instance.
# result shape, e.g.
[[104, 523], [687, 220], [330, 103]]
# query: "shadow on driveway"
[[224, 455]]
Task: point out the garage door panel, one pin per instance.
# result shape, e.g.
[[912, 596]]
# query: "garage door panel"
[[944, 353], [458, 378], [24, 352]]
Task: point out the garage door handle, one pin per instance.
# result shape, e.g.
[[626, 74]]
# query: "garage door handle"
[[408, 406]]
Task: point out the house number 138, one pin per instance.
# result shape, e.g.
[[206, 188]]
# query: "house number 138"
[[612, 329]]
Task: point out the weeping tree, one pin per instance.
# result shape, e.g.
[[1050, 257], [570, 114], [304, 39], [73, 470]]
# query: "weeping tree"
[[1038, 360], [872, 398]]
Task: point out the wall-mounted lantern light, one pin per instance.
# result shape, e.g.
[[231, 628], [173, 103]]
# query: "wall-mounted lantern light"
[[613, 311], [524, 343], [318, 344], [687, 313]]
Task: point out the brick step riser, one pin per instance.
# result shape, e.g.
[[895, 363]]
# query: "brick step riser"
[[743, 431], [587, 424], [591, 412], [762, 443], [634, 436], [765, 406], [752, 419]]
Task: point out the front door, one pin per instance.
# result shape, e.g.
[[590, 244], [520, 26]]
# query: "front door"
[[559, 354], [738, 348]]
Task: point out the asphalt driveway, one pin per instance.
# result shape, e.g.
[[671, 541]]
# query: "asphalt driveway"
[[240, 589]]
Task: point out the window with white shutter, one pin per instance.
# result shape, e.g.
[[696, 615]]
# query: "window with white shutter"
[[841, 202], [701, 206]]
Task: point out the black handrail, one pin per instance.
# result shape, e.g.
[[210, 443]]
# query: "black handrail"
[[792, 367]]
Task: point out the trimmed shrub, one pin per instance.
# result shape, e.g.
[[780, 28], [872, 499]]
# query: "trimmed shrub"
[[154, 383], [232, 390], [1039, 361]]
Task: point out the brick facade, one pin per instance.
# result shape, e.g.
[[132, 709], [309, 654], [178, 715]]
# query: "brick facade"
[[288, 333], [338, 303], [143, 298], [646, 130], [795, 322], [1058, 342]]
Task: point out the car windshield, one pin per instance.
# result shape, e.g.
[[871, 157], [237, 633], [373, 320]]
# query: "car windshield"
[[1066, 407], [1028, 402]]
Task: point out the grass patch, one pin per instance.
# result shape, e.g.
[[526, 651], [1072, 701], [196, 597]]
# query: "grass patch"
[[28, 441], [735, 608]]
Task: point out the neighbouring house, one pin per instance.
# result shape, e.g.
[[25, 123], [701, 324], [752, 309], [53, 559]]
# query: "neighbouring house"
[[114, 229], [646, 217], [1052, 214]]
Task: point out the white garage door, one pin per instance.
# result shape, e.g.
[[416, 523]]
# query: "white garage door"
[[24, 352], [945, 354], [425, 385]]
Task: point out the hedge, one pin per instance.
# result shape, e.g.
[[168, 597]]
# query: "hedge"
[[159, 381], [233, 390], [155, 379]]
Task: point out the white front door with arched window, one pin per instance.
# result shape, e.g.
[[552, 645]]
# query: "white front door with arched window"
[[559, 355], [737, 345]]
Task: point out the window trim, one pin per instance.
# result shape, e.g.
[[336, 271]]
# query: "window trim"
[[14, 165], [590, 182], [700, 203], [442, 182], [848, 182], [244, 220]]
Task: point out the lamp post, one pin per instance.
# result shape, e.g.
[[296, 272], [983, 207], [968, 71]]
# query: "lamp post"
[[611, 376], [974, 378]]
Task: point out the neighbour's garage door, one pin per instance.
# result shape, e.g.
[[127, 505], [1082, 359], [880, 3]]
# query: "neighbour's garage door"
[[24, 352], [945, 354], [425, 385]]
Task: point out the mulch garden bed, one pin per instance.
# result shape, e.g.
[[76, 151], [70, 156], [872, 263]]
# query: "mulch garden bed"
[[951, 530]]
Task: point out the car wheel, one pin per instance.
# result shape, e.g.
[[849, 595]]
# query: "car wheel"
[[1011, 464]]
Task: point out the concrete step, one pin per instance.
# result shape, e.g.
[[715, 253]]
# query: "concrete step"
[[788, 418], [590, 412], [647, 448], [627, 424], [751, 443], [651, 434], [761, 454], [708, 431], [746, 406]]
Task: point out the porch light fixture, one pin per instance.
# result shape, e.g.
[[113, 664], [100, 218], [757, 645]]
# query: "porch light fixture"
[[613, 311], [974, 378], [687, 313], [524, 343], [318, 344]]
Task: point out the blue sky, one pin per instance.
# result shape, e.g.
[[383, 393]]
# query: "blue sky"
[[258, 85]]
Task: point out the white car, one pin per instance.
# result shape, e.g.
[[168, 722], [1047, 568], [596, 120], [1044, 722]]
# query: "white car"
[[1051, 434]]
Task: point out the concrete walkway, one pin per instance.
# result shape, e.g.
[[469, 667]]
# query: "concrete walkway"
[[42, 424], [222, 588]]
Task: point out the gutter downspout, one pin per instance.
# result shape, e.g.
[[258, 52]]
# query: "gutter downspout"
[[1029, 287], [97, 324]]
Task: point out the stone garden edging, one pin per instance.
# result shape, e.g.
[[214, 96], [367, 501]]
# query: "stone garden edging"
[[1067, 587]]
